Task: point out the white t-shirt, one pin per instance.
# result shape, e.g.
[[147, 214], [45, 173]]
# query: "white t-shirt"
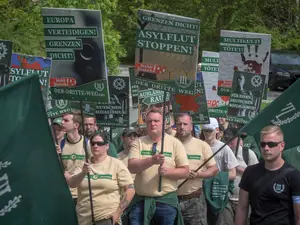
[[225, 158], [252, 160]]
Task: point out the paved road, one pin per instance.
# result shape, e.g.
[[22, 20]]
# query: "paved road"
[[133, 113]]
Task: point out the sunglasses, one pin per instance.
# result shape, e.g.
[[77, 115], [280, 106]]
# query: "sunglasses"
[[99, 143], [270, 144]]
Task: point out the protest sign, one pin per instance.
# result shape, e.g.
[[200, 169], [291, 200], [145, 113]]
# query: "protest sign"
[[5, 59], [217, 105], [246, 96], [242, 51], [115, 113], [134, 88], [25, 65], [194, 105], [149, 99], [166, 52], [74, 41]]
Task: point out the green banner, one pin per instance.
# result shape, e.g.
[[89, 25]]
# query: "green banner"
[[246, 95], [58, 107], [74, 41], [5, 61], [284, 111], [115, 113], [166, 52], [25, 145]]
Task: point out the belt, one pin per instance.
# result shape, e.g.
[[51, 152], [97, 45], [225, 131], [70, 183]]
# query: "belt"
[[195, 194]]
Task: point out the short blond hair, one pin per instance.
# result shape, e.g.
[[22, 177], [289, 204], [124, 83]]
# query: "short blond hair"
[[270, 129]]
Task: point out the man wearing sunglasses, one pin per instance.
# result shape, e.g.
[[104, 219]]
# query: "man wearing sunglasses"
[[271, 187], [149, 165]]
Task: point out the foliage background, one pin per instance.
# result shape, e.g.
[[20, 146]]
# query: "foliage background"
[[21, 22]]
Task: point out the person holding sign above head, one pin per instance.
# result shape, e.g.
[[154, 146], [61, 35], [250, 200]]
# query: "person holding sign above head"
[[192, 200], [111, 185], [147, 161], [271, 187]]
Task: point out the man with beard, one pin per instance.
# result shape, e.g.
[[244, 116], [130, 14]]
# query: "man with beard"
[[147, 162], [90, 128], [190, 195], [271, 187]]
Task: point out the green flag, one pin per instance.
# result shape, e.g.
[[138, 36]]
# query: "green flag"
[[284, 111], [33, 189]]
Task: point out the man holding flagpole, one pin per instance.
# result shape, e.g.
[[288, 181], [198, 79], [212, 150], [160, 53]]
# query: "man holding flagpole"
[[71, 148], [161, 207]]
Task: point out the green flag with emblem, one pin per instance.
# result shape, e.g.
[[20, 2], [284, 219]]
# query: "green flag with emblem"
[[33, 189], [284, 111]]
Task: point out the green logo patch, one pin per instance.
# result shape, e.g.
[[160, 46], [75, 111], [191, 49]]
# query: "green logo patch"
[[194, 157], [168, 154], [73, 157], [146, 152], [97, 176]]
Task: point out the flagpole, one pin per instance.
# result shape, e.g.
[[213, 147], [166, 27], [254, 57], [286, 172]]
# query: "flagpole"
[[110, 134], [162, 136], [56, 143], [87, 160], [203, 164]]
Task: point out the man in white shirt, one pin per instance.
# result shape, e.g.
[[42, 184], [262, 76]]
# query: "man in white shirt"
[[245, 157], [225, 159]]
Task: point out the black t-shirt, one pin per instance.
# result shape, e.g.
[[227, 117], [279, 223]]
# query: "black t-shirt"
[[274, 205]]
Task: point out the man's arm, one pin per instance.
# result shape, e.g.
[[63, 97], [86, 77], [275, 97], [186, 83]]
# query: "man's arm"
[[180, 172], [232, 174], [210, 172], [240, 169], [129, 192], [242, 208], [139, 165], [231, 163], [296, 201]]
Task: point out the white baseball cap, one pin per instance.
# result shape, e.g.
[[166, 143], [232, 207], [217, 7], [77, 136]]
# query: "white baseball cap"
[[213, 124]]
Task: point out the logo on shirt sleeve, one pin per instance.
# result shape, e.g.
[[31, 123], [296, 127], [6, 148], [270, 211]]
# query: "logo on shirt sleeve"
[[278, 188]]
